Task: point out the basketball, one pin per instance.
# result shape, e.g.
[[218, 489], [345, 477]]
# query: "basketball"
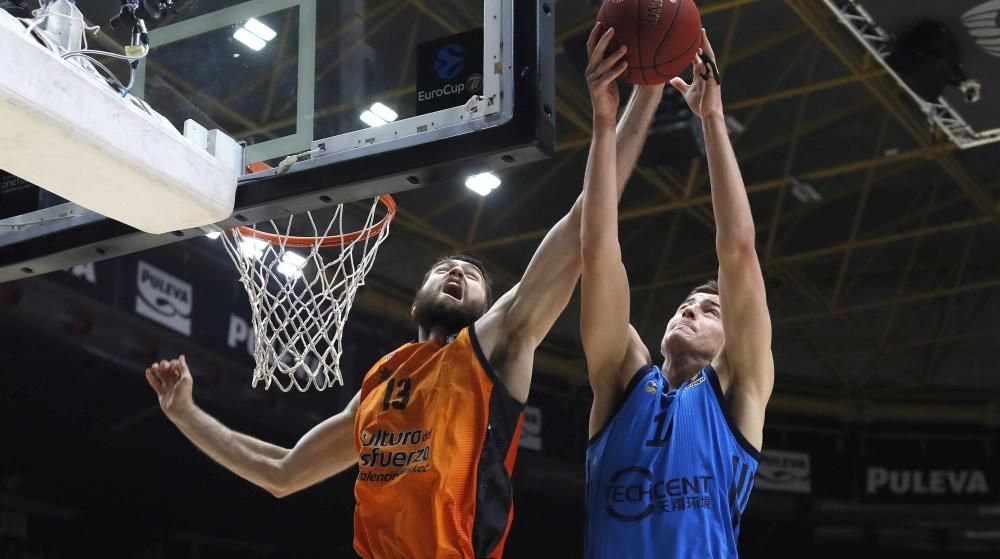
[[662, 36]]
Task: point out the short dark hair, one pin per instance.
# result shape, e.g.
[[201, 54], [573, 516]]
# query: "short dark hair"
[[710, 287], [487, 280]]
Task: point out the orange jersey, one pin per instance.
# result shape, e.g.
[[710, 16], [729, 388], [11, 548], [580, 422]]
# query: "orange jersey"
[[436, 434]]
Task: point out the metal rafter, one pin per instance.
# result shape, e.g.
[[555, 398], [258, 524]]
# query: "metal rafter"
[[442, 19], [744, 53], [936, 353], [883, 240], [902, 346], [790, 158], [752, 102], [918, 313], [859, 214], [545, 180], [808, 209], [661, 266], [808, 256], [643, 211], [470, 236], [832, 366], [815, 16], [882, 303]]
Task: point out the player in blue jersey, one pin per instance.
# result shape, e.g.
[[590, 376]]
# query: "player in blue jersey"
[[674, 447]]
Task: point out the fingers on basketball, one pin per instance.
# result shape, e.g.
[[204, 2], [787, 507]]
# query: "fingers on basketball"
[[618, 70], [595, 34], [611, 67], [707, 46], [597, 55], [700, 68], [680, 85]]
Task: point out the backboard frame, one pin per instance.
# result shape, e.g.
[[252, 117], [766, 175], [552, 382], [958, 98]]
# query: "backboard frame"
[[306, 78], [519, 131]]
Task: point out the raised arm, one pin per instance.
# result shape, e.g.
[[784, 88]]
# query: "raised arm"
[[520, 319], [325, 450], [630, 135], [745, 362], [604, 314]]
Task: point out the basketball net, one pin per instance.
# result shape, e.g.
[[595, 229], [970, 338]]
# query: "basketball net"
[[301, 290]]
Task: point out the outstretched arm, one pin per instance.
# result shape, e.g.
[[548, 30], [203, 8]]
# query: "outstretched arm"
[[520, 319], [630, 135], [604, 315], [525, 314], [325, 450], [745, 363]]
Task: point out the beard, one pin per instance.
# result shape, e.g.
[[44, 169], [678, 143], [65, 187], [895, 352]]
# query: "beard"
[[431, 309]]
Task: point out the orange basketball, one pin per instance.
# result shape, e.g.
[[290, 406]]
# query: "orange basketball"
[[662, 36]]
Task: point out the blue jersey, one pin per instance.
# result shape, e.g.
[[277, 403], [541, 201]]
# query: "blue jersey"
[[670, 474]]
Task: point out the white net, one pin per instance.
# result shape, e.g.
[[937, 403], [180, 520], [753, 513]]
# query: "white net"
[[301, 290]]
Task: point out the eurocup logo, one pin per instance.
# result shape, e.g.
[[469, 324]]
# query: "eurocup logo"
[[450, 61]]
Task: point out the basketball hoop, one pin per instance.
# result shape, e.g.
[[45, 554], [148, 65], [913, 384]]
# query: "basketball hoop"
[[300, 299]]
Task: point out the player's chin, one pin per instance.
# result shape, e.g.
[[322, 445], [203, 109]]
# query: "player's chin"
[[457, 307], [679, 332], [680, 339]]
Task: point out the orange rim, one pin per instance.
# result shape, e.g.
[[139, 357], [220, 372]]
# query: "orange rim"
[[331, 240]]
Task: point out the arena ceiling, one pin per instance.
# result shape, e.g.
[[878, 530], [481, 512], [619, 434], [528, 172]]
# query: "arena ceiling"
[[884, 288]]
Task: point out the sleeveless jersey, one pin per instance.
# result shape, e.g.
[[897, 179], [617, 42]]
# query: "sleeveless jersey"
[[670, 474], [436, 434]]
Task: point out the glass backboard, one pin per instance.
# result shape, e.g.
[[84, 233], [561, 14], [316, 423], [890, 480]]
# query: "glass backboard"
[[370, 96]]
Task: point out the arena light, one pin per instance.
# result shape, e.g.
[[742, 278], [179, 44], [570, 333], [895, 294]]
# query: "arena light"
[[383, 112], [803, 191], [483, 183], [372, 119], [254, 34], [259, 29], [252, 248], [291, 265], [378, 115], [249, 39]]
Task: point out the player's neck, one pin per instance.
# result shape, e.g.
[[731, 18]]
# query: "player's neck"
[[682, 367]]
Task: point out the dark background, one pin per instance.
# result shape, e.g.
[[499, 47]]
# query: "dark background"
[[883, 293]]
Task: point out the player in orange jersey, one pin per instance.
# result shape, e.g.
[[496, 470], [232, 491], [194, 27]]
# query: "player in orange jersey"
[[435, 426]]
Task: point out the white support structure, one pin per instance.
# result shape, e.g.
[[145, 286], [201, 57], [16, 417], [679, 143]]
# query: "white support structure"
[[873, 37], [67, 131]]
